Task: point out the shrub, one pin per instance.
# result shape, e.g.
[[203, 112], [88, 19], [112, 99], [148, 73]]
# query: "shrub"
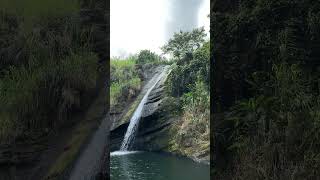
[[146, 56], [193, 130], [187, 70], [125, 82]]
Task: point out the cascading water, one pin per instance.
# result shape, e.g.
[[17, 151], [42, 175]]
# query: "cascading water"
[[134, 121]]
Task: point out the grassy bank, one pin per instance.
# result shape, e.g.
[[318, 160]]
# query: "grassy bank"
[[127, 75], [191, 133], [125, 81]]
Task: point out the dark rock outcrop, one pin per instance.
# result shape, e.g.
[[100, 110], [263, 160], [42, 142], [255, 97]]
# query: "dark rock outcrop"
[[116, 136], [122, 117], [157, 127], [153, 132], [154, 126]]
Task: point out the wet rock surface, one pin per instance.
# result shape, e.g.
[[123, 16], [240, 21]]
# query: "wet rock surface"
[[153, 126], [155, 131], [122, 117]]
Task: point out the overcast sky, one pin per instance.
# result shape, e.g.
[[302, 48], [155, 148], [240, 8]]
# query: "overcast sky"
[[148, 24]]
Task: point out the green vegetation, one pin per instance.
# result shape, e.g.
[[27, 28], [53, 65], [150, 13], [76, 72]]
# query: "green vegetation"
[[125, 81], [192, 132], [48, 67], [186, 71], [29, 94], [51, 72], [126, 75], [184, 42], [146, 56], [188, 83], [127, 78], [266, 87]]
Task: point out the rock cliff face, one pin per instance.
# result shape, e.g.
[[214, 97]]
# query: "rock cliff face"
[[122, 118], [156, 131], [153, 132], [158, 128]]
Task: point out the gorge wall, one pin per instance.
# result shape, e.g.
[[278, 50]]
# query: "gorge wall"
[[157, 126]]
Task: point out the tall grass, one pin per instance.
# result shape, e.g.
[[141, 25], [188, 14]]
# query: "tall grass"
[[130, 62], [276, 136], [118, 90], [32, 13], [193, 130], [47, 67], [33, 97], [189, 82], [125, 82]]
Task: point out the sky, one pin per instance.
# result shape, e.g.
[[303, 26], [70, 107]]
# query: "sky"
[[148, 24]]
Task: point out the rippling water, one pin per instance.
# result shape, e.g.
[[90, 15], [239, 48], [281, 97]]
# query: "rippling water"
[[140, 165]]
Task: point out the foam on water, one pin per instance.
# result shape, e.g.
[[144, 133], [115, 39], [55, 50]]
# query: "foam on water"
[[121, 153]]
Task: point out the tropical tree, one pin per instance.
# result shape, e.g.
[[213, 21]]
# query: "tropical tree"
[[147, 56], [183, 43]]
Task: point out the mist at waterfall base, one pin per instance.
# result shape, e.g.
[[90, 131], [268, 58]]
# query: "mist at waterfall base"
[[138, 165]]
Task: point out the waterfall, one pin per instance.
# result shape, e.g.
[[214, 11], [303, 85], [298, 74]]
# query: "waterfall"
[[134, 121]]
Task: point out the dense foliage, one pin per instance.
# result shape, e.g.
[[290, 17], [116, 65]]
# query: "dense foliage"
[[188, 83], [48, 66], [184, 42], [191, 68], [147, 56], [266, 85], [125, 81]]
